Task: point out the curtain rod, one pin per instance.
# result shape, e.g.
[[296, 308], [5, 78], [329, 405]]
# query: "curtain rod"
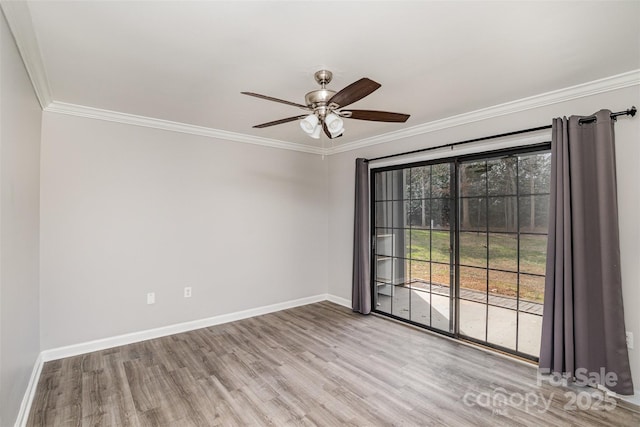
[[630, 112]]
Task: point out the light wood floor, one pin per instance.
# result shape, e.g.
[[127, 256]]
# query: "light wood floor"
[[319, 364]]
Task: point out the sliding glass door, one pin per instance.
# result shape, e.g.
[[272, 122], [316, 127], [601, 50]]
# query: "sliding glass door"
[[459, 246], [412, 244], [504, 205]]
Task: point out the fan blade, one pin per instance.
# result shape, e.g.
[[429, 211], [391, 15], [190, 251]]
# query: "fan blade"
[[270, 98], [279, 122], [326, 132], [354, 92], [376, 116]]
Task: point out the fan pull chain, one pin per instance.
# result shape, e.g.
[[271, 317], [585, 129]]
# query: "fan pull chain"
[[324, 139]]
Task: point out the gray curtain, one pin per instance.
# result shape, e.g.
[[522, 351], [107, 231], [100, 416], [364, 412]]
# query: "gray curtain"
[[583, 319], [361, 292]]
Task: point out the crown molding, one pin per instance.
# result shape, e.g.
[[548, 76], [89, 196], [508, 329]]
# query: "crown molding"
[[131, 119], [19, 20], [607, 84]]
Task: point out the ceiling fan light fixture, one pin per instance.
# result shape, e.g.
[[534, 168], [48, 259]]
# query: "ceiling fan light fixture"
[[309, 124], [337, 134], [334, 124], [316, 132], [326, 106]]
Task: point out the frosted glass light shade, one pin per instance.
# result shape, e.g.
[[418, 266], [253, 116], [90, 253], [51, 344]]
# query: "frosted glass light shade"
[[316, 132], [309, 124], [334, 124]]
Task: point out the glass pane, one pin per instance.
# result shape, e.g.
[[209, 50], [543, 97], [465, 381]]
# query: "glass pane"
[[502, 176], [420, 182], [384, 269], [440, 279], [421, 307], [503, 214], [381, 209], [391, 270], [441, 246], [402, 212], [418, 213], [532, 290], [401, 271], [473, 319], [534, 173], [390, 185], [529, 334], [405, 244], [383, 296], [534, 214], [420, 244], [503, 289], [473, 284], [473, 249], [392, 242], [398, 189], [472, 178], [383, 185], [533, 253], [390, 214], [440, 312], [401, 302], [384, 242], [440, 214], [441, 180], [501, 328], [473, 214], [420, 275], [503, 251]]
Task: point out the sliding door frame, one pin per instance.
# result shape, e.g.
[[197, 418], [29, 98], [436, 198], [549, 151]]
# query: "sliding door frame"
[[454, 272]]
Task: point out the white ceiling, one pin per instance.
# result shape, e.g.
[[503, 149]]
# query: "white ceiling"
[[188, 61]]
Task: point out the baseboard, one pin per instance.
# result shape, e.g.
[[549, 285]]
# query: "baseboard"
[[105, 343], [116, 341], [631, 402], [27, 399], [339, 300]]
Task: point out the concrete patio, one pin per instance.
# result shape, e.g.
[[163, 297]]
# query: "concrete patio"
[[431, 306]]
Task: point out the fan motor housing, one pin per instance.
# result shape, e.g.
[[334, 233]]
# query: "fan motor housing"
[[318, 97]]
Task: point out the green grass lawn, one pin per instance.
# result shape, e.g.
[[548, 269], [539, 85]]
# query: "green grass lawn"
[[478, 252]]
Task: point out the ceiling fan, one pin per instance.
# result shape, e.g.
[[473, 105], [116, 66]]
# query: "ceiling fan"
[[326, 107]]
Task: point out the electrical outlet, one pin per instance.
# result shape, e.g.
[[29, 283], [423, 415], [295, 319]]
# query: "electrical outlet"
[[187, 292], [630, 340], [151, 298]]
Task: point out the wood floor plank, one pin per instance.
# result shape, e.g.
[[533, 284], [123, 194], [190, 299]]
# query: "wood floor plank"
[[315, 365]]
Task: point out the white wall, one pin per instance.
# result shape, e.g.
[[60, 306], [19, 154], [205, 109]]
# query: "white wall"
[[128, 210], [20, 124], [341, 190]]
